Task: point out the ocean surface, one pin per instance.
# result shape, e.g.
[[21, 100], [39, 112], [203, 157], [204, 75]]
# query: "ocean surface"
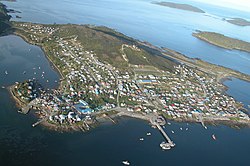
[[108, 144], [140, 19]]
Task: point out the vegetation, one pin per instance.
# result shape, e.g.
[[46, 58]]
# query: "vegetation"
[[223, 41], [180, 6], [107, 43]]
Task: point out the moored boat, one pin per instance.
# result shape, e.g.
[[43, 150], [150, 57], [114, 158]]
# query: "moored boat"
[[126, 162], [213, 136]]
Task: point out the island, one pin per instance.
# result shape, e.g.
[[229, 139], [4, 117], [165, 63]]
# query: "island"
[[238, 21], [223, 41], [186, 7]]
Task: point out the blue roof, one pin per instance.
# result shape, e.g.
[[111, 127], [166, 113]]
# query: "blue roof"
[[82, 108]]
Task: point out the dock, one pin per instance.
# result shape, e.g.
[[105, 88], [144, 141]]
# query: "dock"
[[169, 141], [38, 122]]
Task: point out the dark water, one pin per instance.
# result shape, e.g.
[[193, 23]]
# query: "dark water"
[[240, 90], [21, 144]]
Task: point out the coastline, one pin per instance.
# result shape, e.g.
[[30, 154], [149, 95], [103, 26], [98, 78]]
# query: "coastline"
[[53, 65], [179, 58], [227, 39]]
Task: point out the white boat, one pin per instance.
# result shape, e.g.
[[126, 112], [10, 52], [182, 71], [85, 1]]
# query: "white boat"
[[125, 162], [148, 134], [172, 131], [3, 87], [169, 123], [186, 129], [181, 128], [213, 136], [165, 146], [6, 72], [141, 139]]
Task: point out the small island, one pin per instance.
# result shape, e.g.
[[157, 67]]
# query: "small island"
[[180, 6], [223, 41], [238, 21]]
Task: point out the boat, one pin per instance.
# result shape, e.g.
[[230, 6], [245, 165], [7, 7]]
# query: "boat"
[[165, 146], [148, 134], [6, 72], [141, 139], [213, 136], [3, 87], [126, 162], [169, 123], [181, 128], [172, 131], [24, 72], [186, 129]]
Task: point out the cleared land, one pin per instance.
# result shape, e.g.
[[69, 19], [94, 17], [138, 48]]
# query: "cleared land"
[[180, 6], [223, 41]]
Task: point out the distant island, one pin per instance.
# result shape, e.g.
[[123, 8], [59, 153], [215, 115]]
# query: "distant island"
[[180, 6], [239, 21], [223, 41]]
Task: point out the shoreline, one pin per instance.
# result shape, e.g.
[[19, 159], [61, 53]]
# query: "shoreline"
[[186, 61], [199, 34], [43, 50]]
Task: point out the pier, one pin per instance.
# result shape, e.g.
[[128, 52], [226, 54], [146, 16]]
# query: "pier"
[[169, 141], [38, 122]]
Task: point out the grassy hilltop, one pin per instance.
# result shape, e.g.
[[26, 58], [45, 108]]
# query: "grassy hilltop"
[[109, 46]]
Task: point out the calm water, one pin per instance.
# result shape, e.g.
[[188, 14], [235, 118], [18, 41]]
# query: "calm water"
[[21, 144], [140, 19]]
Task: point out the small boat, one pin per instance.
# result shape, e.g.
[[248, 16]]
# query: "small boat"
[[6, 72], [163, 127], [169, 123], [141, 139], [148, 134], [3, 87], [172, 131], [205, 127], [186, 129], [126, 162], [24, 72], [180, 128], [213, 136]]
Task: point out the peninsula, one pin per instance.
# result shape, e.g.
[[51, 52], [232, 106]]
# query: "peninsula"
[[223, 41], [180, 6], [131, 78], [238, 21]]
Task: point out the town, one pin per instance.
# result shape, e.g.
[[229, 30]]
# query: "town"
[[90, 88]]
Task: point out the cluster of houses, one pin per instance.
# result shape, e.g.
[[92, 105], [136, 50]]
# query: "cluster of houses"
[[90, 85], [28, 90]]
